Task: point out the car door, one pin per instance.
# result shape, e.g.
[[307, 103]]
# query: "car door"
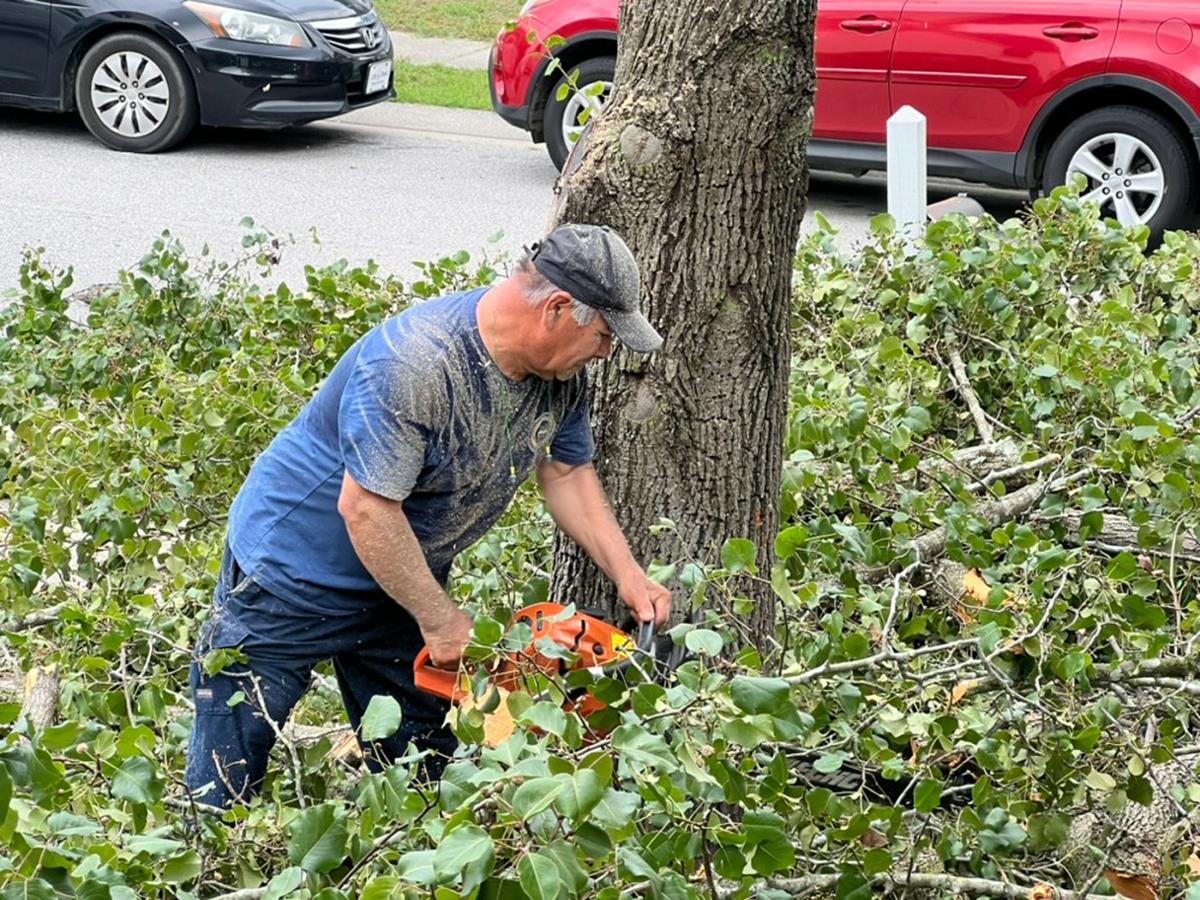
[[980, 70], [853, 45], [24, 38]]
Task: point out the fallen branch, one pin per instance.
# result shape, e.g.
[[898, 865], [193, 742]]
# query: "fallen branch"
[[1119, 535], [37, 619], [1014, 471], [978, 458], [40, 706], [954, 884], [963, 383], [932, 544]]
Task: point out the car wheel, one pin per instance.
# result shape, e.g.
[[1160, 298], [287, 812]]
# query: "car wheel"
[[1138, 169], [134, 94], [562, 125]]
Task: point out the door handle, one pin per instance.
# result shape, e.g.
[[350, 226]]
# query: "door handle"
[[866, 25], [1071, 31]]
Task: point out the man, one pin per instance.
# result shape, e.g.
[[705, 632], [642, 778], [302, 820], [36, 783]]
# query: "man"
[[341, 540]]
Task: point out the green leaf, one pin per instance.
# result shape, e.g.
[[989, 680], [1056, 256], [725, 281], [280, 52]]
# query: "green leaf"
[[536, 795], [540, 877], [1123, 567], [571, 873], [988, 636], [853, 886], [5, 791], [182, 868], [918, 420], [382, 718], [828, 763], [616, 810], [704, 642], [65, 824], [466, 853], [153, 846], [546, 716], [317, 838], [738, 555], [928, 795], [33, 889], [284, 883], [636, 744], [773, 856], [415, 867], [60, 737], [876, 861], [753, 694], [581, 792], [135, 782]]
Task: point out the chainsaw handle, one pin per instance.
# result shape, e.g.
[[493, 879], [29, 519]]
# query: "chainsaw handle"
[[432, 680], [645, 637]]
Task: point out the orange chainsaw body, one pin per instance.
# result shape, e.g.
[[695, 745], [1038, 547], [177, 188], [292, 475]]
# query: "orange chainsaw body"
[[595, 642]]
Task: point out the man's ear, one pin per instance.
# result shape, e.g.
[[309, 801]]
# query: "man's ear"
[[558, 305]]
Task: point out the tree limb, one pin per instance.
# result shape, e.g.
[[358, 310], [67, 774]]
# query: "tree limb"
[[979, 887], [963, 383], [932, 544], [37, 618]]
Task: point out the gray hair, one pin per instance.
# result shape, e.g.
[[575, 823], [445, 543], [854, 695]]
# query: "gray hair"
[[538, 289]]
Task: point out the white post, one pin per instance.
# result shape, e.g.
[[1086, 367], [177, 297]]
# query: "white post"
[[906, 171]]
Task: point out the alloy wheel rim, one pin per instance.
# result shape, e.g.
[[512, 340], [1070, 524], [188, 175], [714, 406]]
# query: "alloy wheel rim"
[[1125, 177], [576, 104], [130, 94]]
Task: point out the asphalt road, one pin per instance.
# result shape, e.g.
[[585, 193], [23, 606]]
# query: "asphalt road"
[[394, 183]]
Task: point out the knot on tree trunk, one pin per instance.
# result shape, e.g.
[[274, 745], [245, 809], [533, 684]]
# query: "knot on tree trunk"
[[639, 146]]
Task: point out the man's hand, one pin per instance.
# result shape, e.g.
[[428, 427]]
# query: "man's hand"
[[447, 637], [648, 599]]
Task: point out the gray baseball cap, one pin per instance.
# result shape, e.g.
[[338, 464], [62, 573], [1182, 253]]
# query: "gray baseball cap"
[[593, 264]]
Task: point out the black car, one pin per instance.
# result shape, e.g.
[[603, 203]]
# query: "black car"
[[142, 73]]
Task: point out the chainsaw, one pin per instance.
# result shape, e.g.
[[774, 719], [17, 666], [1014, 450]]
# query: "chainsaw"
[[591, 643]]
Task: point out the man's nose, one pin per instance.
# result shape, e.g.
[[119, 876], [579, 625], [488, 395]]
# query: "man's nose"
[[605, 348]]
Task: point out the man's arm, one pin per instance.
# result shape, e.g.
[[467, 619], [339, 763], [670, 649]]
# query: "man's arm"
[[578, 505], [384, 541]]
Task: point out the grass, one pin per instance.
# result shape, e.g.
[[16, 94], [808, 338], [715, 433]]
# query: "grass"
[[442, 86], [476, 20]]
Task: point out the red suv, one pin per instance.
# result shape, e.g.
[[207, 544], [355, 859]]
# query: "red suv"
[[1017, 94]]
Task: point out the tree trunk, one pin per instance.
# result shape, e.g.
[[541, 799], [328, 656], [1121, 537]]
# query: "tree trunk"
[[699, 162]]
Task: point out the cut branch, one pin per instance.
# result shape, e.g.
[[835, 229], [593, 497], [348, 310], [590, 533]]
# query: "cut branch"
[[954, 884], [42, 685], [38, 618], [978, 458], [1119, 535], [963, 383], [932, 544]]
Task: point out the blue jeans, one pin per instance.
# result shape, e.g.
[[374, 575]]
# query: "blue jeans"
[[372, 648]]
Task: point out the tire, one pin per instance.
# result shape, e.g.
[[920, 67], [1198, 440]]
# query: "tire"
[[1150, 155], [164, 111], [598, 69]]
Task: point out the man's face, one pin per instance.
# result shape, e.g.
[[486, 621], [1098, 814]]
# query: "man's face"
[[572, 346]]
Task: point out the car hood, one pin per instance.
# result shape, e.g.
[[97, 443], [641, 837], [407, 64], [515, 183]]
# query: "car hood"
[[304, 10]]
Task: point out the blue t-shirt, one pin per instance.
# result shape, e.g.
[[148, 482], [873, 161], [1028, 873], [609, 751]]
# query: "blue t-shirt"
[[416, 411]]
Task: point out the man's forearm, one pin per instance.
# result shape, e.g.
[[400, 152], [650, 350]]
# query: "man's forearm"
[[384, 541], [578, 505]]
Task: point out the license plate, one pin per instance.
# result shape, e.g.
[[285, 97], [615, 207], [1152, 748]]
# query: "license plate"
[[378, 76]]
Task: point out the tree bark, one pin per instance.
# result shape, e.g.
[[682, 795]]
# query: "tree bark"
[[699, 162], [42, 686]]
